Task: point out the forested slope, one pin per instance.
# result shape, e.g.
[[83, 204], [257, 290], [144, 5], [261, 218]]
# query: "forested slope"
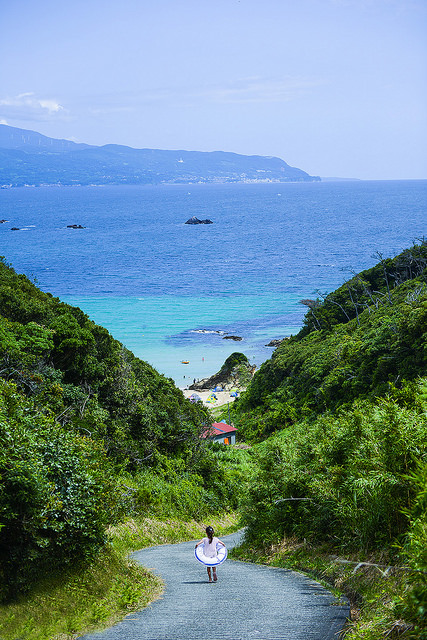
[[340, 417], [58, 357], [359, 341], [88, 435]]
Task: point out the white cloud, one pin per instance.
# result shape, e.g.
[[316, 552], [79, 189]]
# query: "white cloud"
[[27, 106], [51, 106]]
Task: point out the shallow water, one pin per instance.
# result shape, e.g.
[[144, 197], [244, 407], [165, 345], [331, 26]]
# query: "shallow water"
[[164, 330]]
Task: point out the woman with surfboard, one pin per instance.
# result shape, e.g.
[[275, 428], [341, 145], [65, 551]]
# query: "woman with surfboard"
[[211, 552]]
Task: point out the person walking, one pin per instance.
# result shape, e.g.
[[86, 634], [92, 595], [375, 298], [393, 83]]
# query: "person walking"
[[209, 550]]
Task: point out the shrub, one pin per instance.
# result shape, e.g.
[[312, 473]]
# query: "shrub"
[[340, 477], [57, 493], [412, 604]]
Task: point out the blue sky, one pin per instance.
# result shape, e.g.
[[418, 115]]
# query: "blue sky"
[[335, 87]]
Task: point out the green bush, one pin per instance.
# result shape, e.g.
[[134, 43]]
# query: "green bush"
[[212, 483], [412, 604], [339, 478], [57, 493]]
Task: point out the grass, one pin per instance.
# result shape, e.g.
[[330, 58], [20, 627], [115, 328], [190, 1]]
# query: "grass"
[[371, 591], [87, 598], [62, 606]]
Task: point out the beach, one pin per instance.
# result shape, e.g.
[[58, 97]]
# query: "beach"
[[223, 397]]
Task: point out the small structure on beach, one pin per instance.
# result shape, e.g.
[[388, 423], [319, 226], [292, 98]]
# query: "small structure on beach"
[[221, 432]]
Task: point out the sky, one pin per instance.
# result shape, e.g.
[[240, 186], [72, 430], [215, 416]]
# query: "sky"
[[334, 87]]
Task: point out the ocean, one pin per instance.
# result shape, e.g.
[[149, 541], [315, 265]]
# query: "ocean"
[[171, 292]]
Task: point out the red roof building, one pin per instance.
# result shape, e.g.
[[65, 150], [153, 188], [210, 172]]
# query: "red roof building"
[[221, 432]]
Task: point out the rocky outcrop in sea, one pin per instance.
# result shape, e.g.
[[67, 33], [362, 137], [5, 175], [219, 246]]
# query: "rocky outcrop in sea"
[[195, 220]]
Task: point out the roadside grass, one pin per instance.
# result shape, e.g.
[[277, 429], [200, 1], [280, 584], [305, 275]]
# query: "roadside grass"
[[371, 590], [137, 533], [94, 596]]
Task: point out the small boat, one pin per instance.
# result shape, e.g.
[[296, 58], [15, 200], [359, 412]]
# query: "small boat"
[[185, 362]]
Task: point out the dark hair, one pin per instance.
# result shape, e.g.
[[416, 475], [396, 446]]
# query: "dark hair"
[[210, 532]]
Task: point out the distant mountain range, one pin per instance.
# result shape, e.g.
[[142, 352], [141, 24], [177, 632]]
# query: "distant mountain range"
[[30, 158]]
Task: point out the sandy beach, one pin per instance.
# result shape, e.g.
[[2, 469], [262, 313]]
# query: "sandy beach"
[[223, 397]]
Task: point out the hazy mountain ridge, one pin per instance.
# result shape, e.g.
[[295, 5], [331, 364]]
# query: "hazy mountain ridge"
[[28, 157]]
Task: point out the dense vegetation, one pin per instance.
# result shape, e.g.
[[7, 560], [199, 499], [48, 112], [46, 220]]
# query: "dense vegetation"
[[358, 342], [89, 434], [337, 419], [340, 412]]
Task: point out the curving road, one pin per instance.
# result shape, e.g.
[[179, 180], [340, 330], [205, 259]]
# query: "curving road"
[[249, 602]]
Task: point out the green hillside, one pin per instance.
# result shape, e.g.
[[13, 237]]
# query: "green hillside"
[[360, 341], [89, 435], [340, 417]]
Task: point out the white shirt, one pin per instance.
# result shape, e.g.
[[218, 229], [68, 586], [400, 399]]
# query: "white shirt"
[[209, 548]]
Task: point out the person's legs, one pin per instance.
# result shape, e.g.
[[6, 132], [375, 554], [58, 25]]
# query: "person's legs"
[[209, 574], [215, 577]]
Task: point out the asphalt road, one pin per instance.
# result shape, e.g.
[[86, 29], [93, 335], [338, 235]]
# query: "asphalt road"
[[249, 602]]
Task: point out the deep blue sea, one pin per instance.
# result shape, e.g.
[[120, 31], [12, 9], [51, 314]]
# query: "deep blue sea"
[[155, 283]]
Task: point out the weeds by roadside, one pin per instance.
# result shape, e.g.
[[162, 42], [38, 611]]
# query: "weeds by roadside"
[[371, 584]]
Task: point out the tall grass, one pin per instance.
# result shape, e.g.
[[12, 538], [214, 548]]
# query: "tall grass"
[[342, 478], [62, 606]]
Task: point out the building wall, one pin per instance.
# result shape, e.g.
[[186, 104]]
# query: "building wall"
[[221, 438]]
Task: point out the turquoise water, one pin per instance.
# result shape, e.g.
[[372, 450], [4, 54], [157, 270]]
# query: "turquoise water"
[[164, 330], [153, 281]]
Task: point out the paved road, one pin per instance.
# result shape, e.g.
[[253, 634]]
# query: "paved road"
[[249, 602]]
